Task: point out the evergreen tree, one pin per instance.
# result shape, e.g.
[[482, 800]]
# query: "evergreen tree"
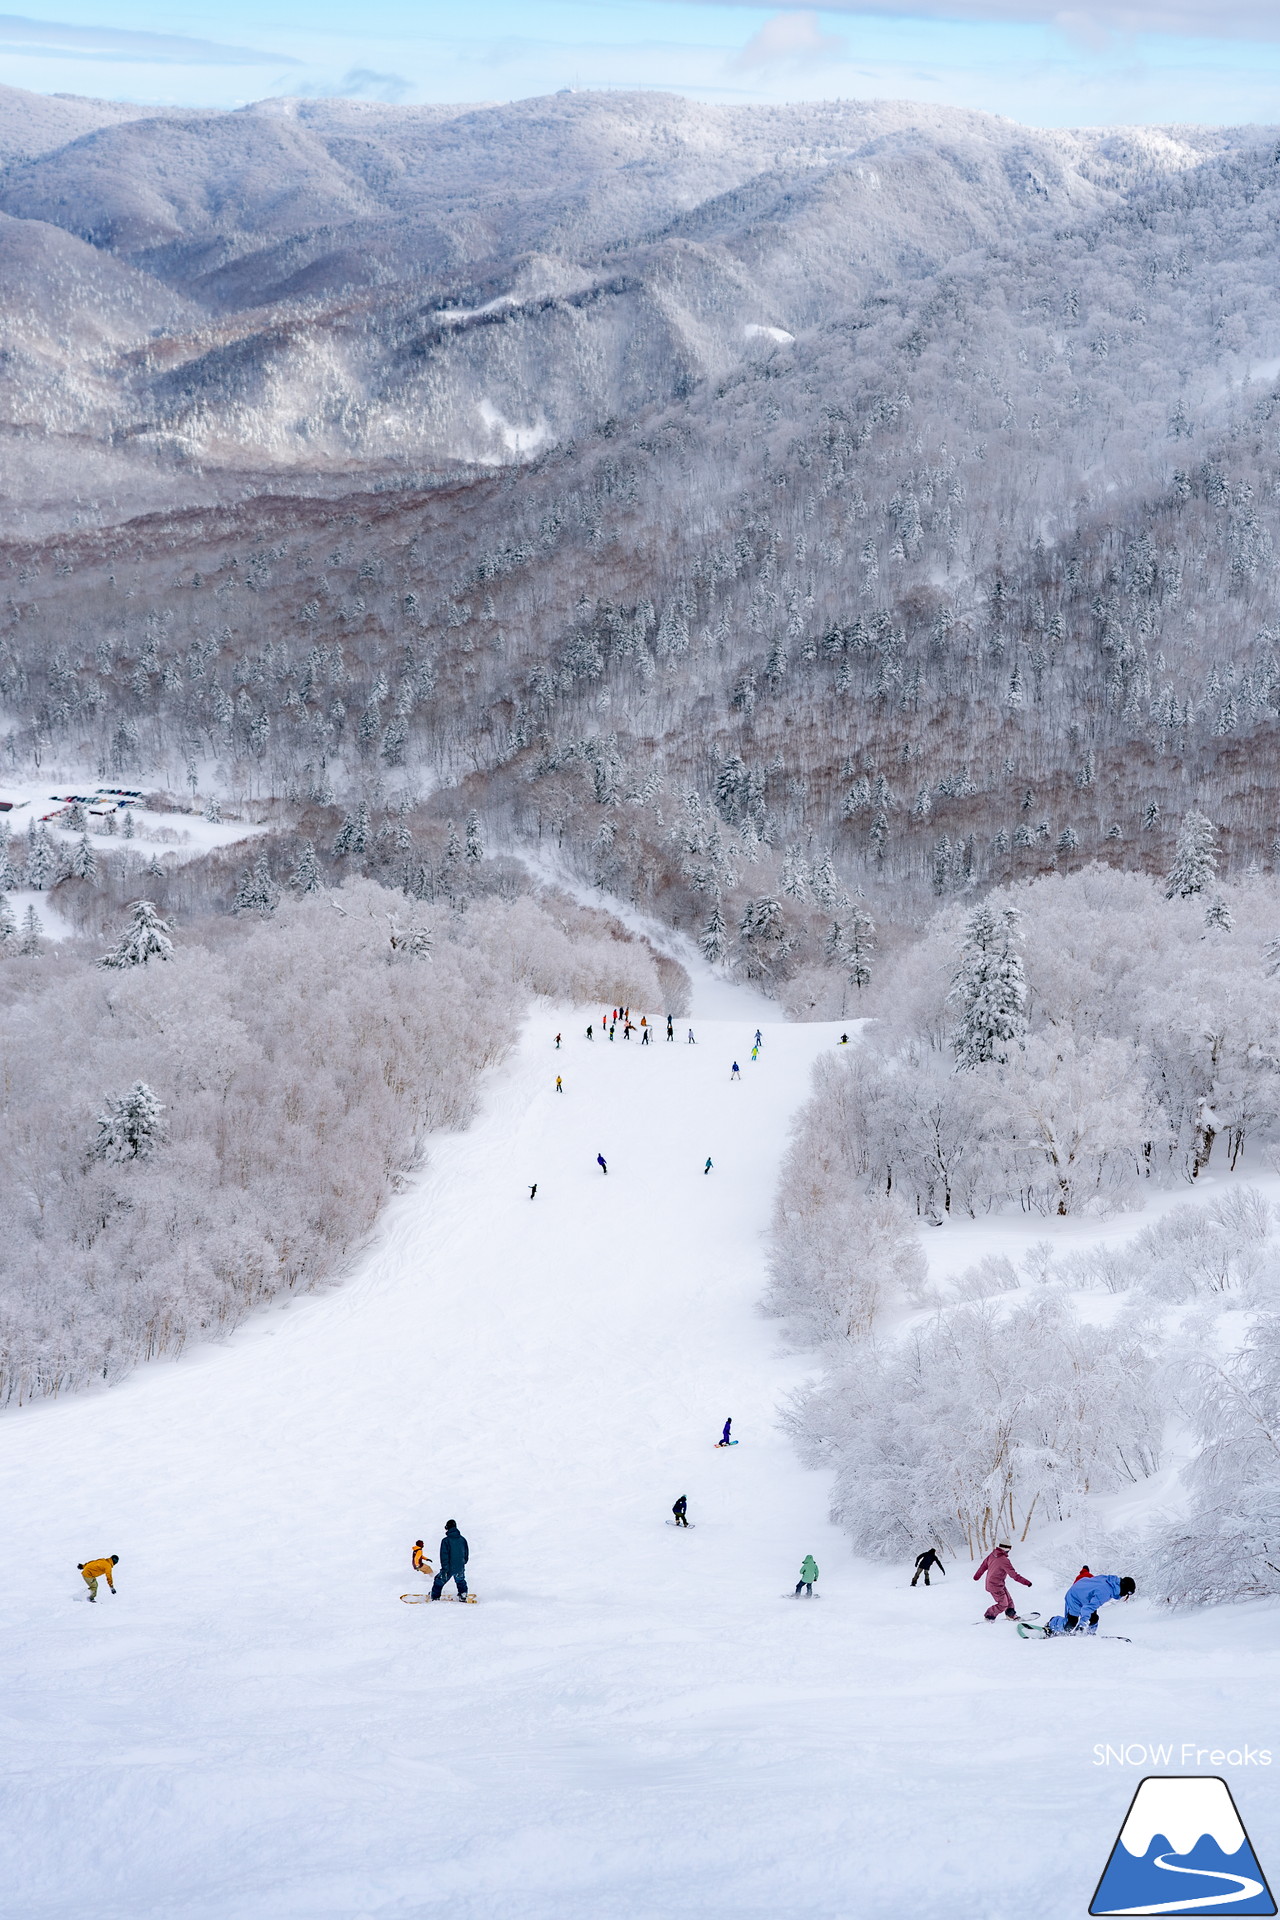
[[353, 834], [714, 939], [1151, 818], [859, 946], [145, 939], [8, 926], [1218, 914], [42, 862], [823, 881], [127, 831], [130, 1126], [75, 821], [8, 873], [1195, 863], [256, 891], [305, 877], [32, 933], [84, 864], [990, 988], [212, 811], [475, 842]]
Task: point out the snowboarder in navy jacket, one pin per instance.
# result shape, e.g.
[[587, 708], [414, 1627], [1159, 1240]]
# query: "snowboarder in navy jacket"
[[454, 1554], [1085, 1597]]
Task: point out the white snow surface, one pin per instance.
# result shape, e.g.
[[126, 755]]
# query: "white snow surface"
[[634, 1721]]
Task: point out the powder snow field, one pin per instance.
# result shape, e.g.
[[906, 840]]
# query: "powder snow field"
[[634, 1722]]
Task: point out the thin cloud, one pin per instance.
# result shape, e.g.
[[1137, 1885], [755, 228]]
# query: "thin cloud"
[[359, 83], [789, 40], [1195, 19], [56, 39]]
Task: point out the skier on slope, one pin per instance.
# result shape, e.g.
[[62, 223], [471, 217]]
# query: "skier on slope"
[[759, 1041], [559, 1084], [454, 1554], [95, 1570], [723, 1441], [671, 1032], [808, 1574], [1084, 1597], [999, 1570], [421, 1564], [929, 1558], [600, 1162], [707, 1168], [680, 1511], [737, 1072]]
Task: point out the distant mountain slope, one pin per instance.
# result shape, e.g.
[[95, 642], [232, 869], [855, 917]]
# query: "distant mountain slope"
[[900, 486]]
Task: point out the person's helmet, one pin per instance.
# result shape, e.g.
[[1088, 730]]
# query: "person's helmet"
[[448, 1524], [417, 1543], [1002, 1546], [115, 1559], [1128, 1587]]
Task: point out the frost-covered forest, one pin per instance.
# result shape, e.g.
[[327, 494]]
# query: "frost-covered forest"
[[1080, 1044], [195, 1121], [845, 532]]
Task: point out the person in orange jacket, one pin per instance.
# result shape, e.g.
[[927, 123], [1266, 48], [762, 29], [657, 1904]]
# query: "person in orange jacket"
[[421, 1564], [95, 1570]]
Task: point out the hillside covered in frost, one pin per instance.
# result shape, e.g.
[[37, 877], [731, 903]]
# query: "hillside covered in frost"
[[759, 504]]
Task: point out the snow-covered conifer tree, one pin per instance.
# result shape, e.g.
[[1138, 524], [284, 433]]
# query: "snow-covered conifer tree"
[[475, 840], [714, 939], [32, 933], [8, 873], [1218, 914], [1196, 860], [75, 820], [859, 946], [8, 926], [989, 987], [130, 1126], [212, 811], [146, 938], [41, 859], [305, 877], [256, 891], [84, 864]]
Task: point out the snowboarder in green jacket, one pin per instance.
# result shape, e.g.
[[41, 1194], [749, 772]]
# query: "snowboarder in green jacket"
[[808, 1574]]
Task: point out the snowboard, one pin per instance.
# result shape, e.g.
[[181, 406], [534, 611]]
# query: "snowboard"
[[690, 1524], [721, 1444], [1019, 1620], [422, 1599], [801, 1596], [1045, 1634]]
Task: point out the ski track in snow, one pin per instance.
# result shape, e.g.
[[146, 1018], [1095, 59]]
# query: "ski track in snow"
[[632, 1723]]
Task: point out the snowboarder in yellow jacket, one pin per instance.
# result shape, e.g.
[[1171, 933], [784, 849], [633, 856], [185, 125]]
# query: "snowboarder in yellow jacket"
[[95, 1570]]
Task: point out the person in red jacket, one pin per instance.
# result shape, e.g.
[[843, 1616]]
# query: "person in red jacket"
[[999, 1570]]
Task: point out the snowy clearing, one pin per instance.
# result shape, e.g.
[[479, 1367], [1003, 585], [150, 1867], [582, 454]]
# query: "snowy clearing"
[[632, 1722]]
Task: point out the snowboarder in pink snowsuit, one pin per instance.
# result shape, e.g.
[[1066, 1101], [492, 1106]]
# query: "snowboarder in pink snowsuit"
[[999, 1570]]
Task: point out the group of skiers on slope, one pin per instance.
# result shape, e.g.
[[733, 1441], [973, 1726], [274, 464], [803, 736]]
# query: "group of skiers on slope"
[[454, 1554], [624, 1014], [1087, 1592], [809, 1568]]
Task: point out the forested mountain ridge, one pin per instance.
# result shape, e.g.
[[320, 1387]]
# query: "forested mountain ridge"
[[866, 495]]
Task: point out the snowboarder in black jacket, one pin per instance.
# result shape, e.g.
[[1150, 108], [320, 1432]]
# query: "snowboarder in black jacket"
[[454, 1554], [929, 1558], [679, 1511]]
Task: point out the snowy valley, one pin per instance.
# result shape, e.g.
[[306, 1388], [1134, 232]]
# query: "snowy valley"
[[638, 789]]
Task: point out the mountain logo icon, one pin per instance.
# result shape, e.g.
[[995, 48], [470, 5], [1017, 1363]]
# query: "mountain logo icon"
[[1183, 1850]]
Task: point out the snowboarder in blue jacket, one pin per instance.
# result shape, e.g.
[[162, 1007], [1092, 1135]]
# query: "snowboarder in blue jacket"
[[1085, 1597], [724, 1441], [454, 1554]]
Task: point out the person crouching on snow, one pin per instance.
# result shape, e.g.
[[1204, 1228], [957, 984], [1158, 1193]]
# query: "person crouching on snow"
[[999, 1570], [421, 1564], [1084, 1598]]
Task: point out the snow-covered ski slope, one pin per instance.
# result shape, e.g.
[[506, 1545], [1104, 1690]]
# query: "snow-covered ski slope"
[[633, 1723]]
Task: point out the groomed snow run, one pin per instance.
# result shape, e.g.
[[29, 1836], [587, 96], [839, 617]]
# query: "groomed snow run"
[[634, 1722]]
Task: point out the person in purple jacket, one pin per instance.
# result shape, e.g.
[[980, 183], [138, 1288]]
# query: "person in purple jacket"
[[999, 1570]]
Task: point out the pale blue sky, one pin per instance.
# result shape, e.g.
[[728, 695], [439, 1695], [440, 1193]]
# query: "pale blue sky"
[[1076, 64]]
